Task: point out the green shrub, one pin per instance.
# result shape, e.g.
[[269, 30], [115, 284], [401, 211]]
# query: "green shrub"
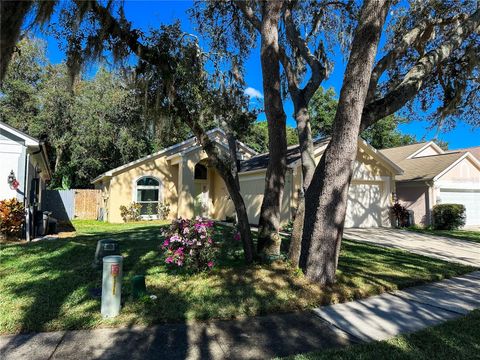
[[163, 210], [130, 213], [448, 216], [400, 214]]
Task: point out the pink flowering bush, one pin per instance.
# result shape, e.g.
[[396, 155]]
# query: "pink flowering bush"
[[189, 244]]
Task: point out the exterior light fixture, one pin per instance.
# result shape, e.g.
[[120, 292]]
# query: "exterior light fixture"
[[394, 197], [12, 181]]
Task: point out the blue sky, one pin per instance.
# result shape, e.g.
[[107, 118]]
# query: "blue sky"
[[147, 14]]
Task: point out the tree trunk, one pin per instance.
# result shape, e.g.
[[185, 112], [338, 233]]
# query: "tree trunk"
[[308, 168], [232, 149], [326, 197], [269, 224], [242, 216], [224, 168], [234, 191]]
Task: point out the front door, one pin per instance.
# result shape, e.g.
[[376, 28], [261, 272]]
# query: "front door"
[[201, 199]]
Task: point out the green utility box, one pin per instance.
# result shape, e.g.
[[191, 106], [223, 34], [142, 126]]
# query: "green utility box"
[[138, 287]]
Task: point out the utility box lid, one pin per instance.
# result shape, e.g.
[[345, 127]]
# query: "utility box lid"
[[105, 247]]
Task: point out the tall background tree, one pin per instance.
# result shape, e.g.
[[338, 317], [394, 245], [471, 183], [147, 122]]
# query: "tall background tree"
[[89, 128], [383, 134]]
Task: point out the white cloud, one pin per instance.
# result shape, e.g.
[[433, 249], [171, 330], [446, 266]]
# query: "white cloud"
[[253, 93]]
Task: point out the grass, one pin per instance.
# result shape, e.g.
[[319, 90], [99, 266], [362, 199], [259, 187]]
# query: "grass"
[[455, 339], [470, 235], [45, 286]]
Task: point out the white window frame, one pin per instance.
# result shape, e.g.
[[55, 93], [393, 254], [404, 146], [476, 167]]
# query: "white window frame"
[[148, 187]]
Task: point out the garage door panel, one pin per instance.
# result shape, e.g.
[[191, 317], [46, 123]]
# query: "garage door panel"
[[470, 198], [364, 205]]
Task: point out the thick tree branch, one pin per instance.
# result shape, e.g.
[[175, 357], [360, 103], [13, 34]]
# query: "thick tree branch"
[[417, 37], [249, 14], [319, 71], [413, 80]]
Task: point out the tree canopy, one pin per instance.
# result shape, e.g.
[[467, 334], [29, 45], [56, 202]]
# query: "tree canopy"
[[383, 134], [90, 128]]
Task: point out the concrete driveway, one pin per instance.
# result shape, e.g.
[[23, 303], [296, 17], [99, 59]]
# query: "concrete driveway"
[[448, 249]]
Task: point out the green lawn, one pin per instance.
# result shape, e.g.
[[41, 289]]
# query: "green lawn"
[[470, 235], [455, 339], [45, 286]]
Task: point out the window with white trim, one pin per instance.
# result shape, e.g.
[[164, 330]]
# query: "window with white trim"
[[148, 195]]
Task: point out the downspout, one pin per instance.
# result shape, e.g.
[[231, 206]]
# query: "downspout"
[[25, 196], [430, 190]]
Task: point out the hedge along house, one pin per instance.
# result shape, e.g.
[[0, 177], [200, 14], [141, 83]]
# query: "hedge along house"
[[181, 176], [24, 172], [434, 176]]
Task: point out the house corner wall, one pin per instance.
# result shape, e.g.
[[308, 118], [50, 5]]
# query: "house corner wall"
[[416, 197]]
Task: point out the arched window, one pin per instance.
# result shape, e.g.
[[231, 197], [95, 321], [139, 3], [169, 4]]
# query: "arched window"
[[148, 196], [200, 172]]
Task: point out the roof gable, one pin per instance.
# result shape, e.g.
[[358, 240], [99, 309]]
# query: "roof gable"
[[217, 135], [17, 135], [428, 149], [466, 156], [424, 161]]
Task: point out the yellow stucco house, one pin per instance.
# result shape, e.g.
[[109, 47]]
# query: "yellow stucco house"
[[180, 175]]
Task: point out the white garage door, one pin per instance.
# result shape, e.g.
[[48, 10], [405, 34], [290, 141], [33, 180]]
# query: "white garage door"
[[469, 198], [364, 205]]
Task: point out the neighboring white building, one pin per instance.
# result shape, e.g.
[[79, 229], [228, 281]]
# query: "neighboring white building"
[[24, 171]]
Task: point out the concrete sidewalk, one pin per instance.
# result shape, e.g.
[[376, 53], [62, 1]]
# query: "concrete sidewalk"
[[375, 318]]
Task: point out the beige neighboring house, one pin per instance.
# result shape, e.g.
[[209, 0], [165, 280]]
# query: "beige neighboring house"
[[181, 176], [434, 176]]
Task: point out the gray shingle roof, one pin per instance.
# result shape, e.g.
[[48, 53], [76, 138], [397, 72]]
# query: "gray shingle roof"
[[420, 168], [261, 161], [400, 153], [475, 151], [426, 167]]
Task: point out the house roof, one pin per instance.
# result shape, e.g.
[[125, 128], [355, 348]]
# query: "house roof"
[[400, 153], [424, 168], [475, 151], [260, 161], [29, 141], [293, 154], [176, 147], [427, 167]]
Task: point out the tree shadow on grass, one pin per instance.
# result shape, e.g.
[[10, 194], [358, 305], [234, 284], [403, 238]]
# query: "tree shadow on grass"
[[46, 285]]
